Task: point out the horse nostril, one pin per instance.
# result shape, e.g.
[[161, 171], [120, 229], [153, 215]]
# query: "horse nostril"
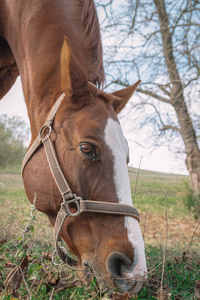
[[118, 264], [121, 268]]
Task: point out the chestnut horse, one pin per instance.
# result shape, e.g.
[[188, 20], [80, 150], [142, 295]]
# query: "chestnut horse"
[[90, 146]]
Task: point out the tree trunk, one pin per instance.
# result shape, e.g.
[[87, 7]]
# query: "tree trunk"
[[178, 102]]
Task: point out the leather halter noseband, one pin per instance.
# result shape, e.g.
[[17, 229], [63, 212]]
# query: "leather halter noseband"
[[64, 188]]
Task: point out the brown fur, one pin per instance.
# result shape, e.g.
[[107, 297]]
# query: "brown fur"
[[33, 33], [8, 68]]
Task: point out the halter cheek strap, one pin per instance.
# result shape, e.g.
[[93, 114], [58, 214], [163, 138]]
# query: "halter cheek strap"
[[38, 142], [64, 188]]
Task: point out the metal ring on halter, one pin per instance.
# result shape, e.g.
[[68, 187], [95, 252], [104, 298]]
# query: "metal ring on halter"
[[42, 128], [55, 253], [76, 201]]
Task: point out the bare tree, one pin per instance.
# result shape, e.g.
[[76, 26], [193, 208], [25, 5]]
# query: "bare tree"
[[158, 41]]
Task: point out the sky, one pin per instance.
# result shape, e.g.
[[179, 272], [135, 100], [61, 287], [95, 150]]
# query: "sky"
[[161, 160]]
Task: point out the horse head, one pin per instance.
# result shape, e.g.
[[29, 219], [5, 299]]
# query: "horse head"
[[93, 154]]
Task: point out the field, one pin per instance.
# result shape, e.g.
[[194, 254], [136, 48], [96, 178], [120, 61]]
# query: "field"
[[26, 239]]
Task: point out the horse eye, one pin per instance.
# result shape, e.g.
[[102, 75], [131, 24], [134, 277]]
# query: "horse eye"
[[88, 150]]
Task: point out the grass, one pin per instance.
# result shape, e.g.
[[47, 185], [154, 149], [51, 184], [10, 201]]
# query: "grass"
[[14, 169], [26, 234], [182, 271], [151, 189]]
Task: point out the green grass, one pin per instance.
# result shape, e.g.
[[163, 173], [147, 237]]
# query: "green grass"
[[182, 270], [15, 206], [14, 169], [182, 267], [152, 188]]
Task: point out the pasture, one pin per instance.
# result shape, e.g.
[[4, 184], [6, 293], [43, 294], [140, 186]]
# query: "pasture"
[[25, 234]]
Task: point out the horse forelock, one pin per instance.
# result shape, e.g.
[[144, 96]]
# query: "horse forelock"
[[92, 36]]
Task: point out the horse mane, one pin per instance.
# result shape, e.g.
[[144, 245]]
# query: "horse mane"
[[92, 36]]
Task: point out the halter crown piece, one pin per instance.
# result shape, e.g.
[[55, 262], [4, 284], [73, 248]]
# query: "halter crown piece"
[[64, 188]]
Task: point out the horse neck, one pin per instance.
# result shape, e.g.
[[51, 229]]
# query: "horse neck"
[[36, 41]]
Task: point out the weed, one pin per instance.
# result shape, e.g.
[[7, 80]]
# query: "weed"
[[191, 200]]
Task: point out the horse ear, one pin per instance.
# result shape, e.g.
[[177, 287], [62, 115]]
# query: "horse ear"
[[73, 78], [123, 96]]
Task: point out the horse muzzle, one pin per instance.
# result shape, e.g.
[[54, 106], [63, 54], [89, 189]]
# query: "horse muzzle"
[[122, 271], [120, 274]]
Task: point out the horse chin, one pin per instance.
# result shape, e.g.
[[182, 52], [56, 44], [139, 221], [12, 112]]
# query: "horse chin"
[[108, 282], [89, 270]]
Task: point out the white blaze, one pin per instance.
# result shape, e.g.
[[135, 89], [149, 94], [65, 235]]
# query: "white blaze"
[[115, 140]]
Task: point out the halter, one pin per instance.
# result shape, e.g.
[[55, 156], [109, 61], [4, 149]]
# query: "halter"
[[64, 188]]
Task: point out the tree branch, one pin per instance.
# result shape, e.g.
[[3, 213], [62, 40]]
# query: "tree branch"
[[162, 87], [154, 95], [167, 127]]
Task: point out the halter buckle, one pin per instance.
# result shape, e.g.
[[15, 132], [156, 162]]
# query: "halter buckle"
[[76, 200]]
